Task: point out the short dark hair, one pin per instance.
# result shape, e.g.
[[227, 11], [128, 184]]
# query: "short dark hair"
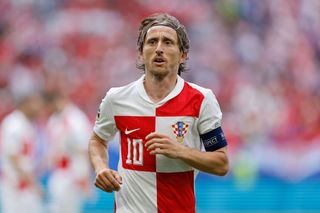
[[163, 19]]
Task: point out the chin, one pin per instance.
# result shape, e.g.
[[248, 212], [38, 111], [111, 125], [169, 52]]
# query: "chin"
[[159, 72]]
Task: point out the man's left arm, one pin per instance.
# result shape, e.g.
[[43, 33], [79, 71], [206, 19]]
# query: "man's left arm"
[[214, 162]]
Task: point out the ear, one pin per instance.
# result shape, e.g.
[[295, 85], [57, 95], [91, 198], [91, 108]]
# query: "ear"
[[183, 58], [140, 58]]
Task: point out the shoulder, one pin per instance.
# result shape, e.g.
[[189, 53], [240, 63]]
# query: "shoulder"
[[73, 113], [204, 91], [14, 118], [118, 92], [14, 122], [209, 99], [116, 96], [73, 109]]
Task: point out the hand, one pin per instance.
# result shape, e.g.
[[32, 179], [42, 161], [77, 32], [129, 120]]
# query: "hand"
[[108, 180], [161, 144]]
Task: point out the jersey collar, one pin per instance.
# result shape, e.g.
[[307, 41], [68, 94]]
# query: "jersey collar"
[[177, 89]]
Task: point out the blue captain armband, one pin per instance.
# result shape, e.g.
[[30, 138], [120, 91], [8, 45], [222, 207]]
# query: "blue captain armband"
[[214, 140]]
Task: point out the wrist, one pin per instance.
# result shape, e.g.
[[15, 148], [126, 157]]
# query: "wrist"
[[184, 152], [98, 169]]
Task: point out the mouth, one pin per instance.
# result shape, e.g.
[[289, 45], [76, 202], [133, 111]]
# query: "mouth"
[[159, 60]]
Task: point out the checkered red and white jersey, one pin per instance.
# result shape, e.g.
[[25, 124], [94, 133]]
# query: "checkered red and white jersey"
[[156, 183]]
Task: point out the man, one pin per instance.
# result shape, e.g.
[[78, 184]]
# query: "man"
[[68, 130], [168, 128], [20, 187]]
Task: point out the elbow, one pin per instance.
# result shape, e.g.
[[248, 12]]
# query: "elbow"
[[223, 170]]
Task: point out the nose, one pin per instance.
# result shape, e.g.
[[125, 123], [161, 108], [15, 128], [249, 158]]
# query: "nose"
[[159, 49]]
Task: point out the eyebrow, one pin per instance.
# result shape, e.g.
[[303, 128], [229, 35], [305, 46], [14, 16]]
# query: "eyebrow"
[[168, 39], [165, 38]]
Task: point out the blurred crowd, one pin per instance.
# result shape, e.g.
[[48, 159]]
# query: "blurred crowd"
[[261, 59]]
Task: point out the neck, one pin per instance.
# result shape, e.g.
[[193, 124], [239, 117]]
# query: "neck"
[[158, 87], [27, 113]]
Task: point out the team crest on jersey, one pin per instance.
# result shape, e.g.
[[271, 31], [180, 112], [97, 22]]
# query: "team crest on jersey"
[[180, 130]]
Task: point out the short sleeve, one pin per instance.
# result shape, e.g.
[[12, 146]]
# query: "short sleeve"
[[11, 139], [105, 126], [210, 114]]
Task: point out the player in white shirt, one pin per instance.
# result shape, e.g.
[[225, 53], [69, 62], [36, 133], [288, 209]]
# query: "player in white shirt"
[[169, 128], [68, 130], [20, 188]]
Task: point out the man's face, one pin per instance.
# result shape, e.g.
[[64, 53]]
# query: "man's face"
[[34, 106], [161, 53]]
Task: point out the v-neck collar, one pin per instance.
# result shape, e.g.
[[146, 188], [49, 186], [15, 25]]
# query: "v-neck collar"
[[176, 90]]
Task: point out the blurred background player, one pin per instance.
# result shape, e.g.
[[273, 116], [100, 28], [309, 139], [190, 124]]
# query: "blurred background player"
[[20, 187], [68, 130]]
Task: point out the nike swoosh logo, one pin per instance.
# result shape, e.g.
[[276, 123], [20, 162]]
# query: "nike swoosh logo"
[[127, 132]]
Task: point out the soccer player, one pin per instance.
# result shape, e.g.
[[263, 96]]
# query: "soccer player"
[[68, 130], [20, 187], [169, 128]]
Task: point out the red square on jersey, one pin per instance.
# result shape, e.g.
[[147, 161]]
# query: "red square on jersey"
[[133, 130]]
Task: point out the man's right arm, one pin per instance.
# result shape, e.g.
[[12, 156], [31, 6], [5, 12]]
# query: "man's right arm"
[[106, 179]]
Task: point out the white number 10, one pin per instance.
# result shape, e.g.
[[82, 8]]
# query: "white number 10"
[[137, 157]]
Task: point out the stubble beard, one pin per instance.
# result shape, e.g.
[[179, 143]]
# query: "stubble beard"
[[159, 74]]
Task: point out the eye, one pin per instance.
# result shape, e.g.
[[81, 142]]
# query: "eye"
[[151, 42]]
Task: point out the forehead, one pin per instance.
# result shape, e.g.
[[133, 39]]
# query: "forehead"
[[158, 31]]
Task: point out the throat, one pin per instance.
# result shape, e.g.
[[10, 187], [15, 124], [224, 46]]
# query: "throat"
[[156, 98], [158, 89]]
